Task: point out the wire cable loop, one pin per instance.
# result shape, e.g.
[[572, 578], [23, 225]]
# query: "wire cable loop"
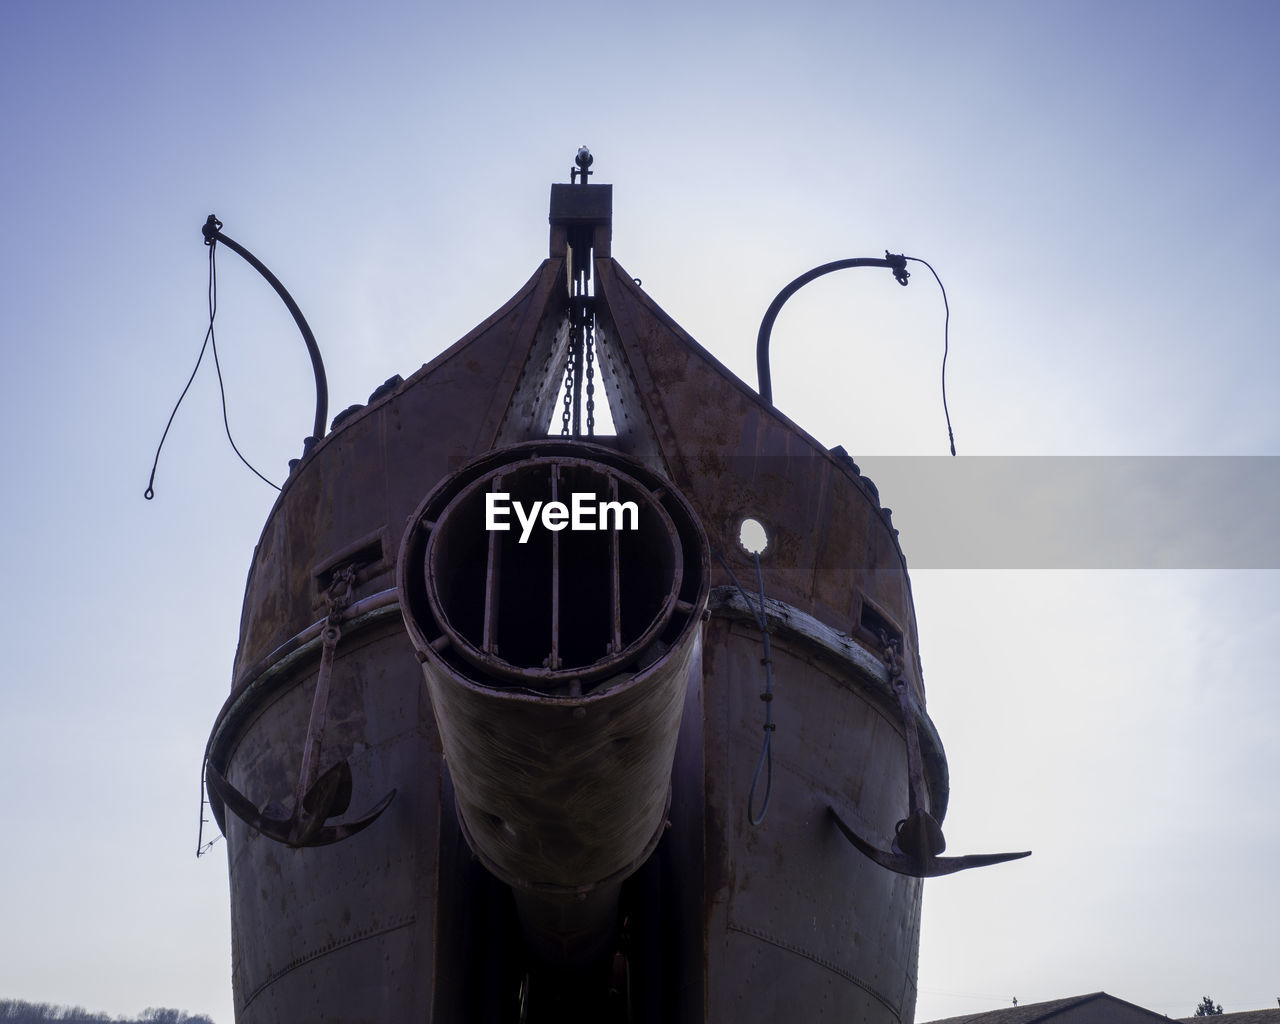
[[946, 346], [210, 231]]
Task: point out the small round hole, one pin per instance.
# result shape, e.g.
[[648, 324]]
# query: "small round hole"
[[752, 536]]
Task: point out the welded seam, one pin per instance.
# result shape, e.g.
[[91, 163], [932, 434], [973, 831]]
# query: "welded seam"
[[834, 968], [325, 950]]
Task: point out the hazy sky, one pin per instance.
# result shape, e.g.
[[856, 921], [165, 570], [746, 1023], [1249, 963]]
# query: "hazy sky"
[[1097, 184]]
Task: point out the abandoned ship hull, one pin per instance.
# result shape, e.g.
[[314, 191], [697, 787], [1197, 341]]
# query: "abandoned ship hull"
[[725, 920]]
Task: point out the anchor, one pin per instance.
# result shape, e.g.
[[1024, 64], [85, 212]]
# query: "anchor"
[[318, 796], [918, 840]]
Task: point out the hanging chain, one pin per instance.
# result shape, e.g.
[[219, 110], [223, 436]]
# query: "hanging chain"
[[891, 655], [338, 595], [588, 324], [336, 598], [567, 416], [581, 321], [581, 342], [764, 765]]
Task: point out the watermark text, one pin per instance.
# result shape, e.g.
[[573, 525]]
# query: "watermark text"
[[584, 512]]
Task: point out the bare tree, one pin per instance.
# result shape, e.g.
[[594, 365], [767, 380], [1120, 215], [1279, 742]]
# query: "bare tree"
[[15, 1011]]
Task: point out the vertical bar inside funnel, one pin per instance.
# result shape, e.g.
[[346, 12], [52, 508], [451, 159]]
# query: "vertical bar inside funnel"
[[615, 576], [492, 574], [553, 662]]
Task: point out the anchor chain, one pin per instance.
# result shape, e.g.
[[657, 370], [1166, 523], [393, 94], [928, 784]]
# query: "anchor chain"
[[891, 655], [581, 354], [588, 322], [764, 764], [567, 415], [582, 345]]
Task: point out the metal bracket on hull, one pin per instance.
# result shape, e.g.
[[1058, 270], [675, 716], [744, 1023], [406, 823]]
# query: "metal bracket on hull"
[[918, 839], [318, 796]]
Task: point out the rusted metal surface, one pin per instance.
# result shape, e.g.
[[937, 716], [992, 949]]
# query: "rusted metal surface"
[[355, 909], [571, 730], [363, 481], [317, 797], [798, 921], [560, 732], [366, 908], [831, 549]]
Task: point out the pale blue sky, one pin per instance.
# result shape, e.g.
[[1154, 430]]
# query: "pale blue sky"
[[1096, 184]]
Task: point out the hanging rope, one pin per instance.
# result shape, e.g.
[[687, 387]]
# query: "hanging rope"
[[764, 764], [946, 346], [210, 342]]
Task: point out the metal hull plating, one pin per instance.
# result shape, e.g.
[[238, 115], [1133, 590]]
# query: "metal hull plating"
[[725, 921]]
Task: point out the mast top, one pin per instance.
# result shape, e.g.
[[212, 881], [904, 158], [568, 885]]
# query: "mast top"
[[581, 214]]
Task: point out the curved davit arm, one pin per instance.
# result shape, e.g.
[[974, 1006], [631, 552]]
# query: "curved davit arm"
[[212, 232], [894, 262]]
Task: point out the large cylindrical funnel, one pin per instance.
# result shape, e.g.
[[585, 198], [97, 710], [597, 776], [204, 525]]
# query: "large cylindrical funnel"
[[557, 651]]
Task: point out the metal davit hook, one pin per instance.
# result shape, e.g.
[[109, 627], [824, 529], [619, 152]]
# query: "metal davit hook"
[[898, 264], [918, 840], [210, 229]]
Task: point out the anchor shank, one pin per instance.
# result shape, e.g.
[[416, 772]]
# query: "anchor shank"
[[919, 840], [319, 714], [917, 794]]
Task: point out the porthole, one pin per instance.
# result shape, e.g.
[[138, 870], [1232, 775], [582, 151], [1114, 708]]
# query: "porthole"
[[752, 536]]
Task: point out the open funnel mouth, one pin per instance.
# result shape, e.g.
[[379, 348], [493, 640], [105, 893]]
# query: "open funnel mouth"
[[553, 566]]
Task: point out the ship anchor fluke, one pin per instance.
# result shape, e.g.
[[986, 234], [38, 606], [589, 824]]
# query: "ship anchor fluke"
[[327, 798], [918, 841], [319, 796], [904, 857]]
